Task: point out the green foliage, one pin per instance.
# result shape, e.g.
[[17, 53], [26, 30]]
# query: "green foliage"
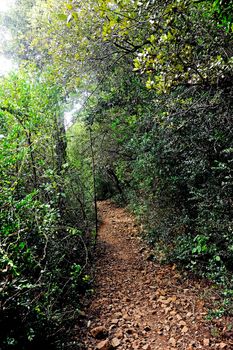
[[43, 255], [157, 79], [167, 38], [182, 182], [223, 12], [172, 158]]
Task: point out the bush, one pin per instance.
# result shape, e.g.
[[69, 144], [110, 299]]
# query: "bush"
[[41, 278], [183, 172]]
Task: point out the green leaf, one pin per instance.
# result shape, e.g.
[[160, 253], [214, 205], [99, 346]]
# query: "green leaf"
[[62, 16]]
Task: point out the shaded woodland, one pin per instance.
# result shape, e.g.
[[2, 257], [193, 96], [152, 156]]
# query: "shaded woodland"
[[153, 131]]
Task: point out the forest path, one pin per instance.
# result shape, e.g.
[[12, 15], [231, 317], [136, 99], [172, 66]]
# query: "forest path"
[[139, 304]]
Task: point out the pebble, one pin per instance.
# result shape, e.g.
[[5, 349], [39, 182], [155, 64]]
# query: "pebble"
[[142, 304], [115, 342], [104, 345]]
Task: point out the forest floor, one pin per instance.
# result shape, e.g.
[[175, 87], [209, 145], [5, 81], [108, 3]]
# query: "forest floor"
[[139, 304]]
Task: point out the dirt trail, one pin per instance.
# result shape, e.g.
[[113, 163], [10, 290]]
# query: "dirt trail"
[[138, 304]]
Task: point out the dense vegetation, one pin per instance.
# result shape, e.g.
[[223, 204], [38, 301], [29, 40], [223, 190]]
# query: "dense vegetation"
[[44, 228], [154, 80]]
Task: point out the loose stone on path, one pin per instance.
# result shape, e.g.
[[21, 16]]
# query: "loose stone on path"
[[139, 305]]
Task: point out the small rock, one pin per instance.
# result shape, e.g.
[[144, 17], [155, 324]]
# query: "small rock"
[[99, 332], [135, 345], [178, 317], [184, 329], [147, 328], [115, 342], [167, 309], [115, 321], [173, 313], [172, 341], [119, 334], [222, 345], [126, 317], [146, 347], [104, 345], [206, 342]]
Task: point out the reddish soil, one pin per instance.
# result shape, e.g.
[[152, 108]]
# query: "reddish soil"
[[139, 304]]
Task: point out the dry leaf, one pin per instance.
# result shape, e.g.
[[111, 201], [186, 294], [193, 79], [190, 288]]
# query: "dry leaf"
[[174, 267]]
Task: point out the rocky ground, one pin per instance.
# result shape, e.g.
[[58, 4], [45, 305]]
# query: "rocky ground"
[[141, 305]]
